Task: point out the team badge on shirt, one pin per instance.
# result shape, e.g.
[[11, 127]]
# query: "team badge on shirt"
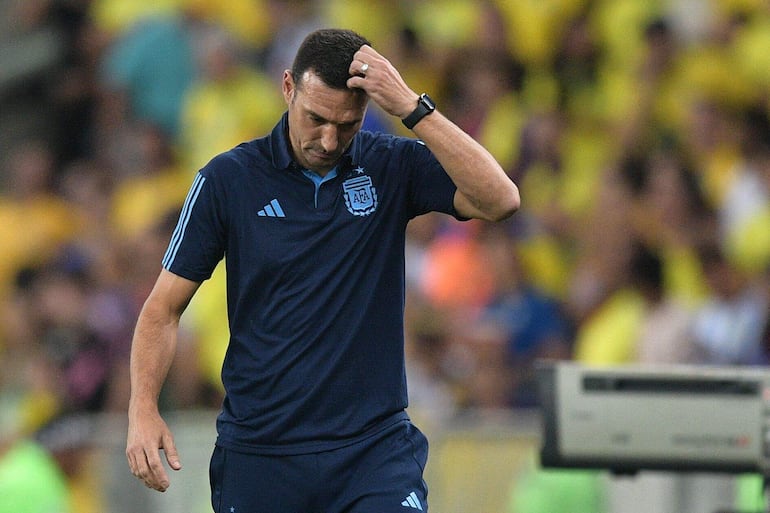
[[360, 194]]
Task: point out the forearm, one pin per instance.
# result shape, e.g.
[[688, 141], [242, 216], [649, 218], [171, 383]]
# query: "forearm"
[[485, 191], [152, 352]]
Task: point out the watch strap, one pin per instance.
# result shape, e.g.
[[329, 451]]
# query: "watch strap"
[[424, 107]]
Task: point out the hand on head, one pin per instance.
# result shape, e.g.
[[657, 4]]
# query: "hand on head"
[[383, 83]]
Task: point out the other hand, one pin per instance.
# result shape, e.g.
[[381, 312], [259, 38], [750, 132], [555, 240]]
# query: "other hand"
[[148, 434]]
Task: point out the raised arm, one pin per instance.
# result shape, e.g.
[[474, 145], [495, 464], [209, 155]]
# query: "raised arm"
[[484, 191], [152, 352]]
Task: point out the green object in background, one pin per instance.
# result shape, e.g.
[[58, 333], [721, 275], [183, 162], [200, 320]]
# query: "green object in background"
[[749, 495], [558, 491], [31, 481]]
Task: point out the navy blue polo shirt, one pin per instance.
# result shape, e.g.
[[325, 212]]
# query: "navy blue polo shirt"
[[315, 285]]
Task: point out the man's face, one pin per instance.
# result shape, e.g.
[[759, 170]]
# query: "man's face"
[[322, 120]]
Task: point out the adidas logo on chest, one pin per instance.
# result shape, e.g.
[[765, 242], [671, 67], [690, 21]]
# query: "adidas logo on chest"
[[272, 209]]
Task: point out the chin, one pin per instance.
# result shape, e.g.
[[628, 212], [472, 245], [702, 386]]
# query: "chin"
[[322, 164]]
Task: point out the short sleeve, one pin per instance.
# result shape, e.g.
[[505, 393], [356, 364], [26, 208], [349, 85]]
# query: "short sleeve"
[[198, 241], [430, 187]]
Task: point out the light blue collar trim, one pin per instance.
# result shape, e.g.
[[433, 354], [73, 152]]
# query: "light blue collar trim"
[[318, 180]]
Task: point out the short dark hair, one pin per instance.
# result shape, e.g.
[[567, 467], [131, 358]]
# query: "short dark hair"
[[328, 53]]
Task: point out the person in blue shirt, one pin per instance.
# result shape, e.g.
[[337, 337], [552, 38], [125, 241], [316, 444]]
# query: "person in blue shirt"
[[311, 221]]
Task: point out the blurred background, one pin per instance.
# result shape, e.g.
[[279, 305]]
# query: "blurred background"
[[637, 130]]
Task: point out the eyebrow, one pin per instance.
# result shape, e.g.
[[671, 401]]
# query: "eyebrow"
[[323, 119]]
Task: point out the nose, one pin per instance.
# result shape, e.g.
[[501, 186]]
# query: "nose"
[[330, 138]]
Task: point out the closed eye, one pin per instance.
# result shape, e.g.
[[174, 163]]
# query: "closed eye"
[[320, 120]]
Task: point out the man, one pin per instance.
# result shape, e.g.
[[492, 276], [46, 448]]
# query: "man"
[[311, 220]]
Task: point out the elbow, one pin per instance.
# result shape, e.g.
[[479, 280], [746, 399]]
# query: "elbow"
[[500, 204], [508, 205]]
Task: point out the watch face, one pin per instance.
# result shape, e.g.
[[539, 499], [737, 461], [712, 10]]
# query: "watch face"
[[424, 107]]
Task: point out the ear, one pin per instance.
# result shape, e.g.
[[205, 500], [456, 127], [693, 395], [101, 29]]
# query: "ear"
[[288, 87]]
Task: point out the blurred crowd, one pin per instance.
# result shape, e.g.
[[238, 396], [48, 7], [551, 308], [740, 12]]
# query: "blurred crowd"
[[637, 130]]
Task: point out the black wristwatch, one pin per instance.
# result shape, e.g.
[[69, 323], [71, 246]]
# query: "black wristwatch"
[[424, 107]]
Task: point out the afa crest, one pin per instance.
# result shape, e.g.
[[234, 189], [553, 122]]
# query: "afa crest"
[[360, 195]]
